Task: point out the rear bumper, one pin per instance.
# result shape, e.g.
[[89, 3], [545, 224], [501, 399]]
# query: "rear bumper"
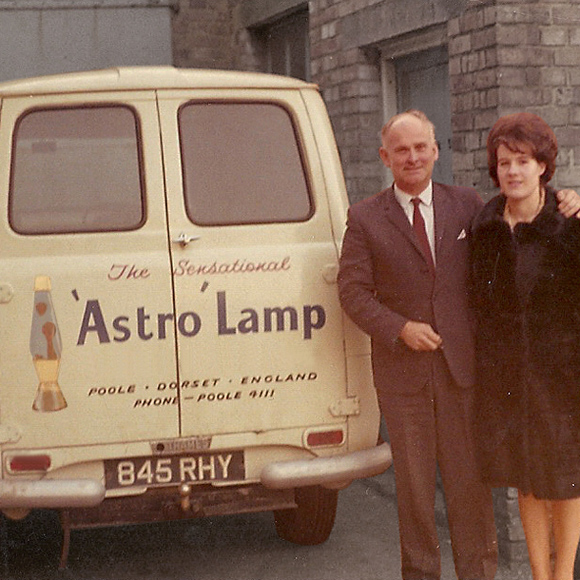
[[335, 472], [51, 493]]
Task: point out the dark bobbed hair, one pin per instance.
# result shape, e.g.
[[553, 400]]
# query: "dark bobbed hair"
[[523, 130]]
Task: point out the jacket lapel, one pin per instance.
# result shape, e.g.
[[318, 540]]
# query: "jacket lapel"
[[441, 211]]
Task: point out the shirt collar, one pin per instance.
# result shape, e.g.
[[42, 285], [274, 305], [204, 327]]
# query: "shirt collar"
[[404, 198]]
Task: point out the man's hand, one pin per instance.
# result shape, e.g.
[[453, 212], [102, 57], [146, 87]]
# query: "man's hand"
[[420, 336], [569, 203]]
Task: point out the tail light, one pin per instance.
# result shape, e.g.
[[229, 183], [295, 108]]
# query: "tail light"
[[22, 463], [325, 438]]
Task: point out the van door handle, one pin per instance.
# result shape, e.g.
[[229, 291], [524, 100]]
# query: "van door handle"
[[183, 239]]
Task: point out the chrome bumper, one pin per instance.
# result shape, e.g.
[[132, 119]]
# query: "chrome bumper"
[[51, 493], [334, 472]]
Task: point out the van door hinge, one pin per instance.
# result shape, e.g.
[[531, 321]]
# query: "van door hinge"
[[9, 434], [330, 273], [345, 407], [6, 293]]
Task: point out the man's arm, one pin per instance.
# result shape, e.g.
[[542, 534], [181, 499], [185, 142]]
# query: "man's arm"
[[569, 203], [357, 289], [359, 296]]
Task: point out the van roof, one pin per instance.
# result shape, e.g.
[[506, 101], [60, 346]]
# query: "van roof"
[[146, 78]]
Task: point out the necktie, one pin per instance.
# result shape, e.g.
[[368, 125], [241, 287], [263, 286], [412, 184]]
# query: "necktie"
[[421, 233]]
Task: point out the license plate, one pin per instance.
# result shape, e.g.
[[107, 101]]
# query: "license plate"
[[185, 468]]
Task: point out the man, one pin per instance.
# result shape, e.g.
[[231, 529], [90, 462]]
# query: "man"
[[402, 279]]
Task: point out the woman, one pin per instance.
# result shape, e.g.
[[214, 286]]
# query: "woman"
[[526, 293]]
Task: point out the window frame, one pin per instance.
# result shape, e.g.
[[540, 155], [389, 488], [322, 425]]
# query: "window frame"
[[276, 36]]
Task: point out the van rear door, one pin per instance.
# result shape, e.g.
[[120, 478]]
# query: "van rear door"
[[260, 337], [86, 309]]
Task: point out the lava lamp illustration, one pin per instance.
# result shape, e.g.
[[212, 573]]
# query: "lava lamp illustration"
[[46, 349]]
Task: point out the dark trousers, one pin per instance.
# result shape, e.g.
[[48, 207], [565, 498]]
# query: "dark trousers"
[[428, 429]]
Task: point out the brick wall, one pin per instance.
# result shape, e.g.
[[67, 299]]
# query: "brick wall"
[[506, 57], [350, 82], [474, 86], [203, 34]]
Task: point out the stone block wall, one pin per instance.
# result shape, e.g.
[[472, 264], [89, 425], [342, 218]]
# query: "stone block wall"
[[346, 38], [474, 85], [511, 539]]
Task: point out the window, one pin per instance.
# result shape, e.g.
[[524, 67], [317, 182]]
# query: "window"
[[76, 170], [287, 46], [241, 164]]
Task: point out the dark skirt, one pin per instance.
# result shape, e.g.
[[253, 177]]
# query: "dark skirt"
[[532, 443]]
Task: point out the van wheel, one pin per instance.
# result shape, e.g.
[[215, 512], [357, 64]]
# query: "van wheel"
[[312, 521]]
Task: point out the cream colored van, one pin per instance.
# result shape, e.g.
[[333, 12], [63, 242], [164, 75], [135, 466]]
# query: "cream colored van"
[[172, 340]]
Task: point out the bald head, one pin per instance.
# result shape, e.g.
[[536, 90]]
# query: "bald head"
[[413, 113]]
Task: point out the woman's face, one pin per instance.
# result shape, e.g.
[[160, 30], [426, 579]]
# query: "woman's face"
[[518, 172]]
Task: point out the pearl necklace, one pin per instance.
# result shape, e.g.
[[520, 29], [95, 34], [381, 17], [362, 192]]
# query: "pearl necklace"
[[512, 222]]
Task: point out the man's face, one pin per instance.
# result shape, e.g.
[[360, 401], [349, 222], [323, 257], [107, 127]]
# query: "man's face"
[[410, 151]]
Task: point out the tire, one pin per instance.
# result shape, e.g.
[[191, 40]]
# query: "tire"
[[312, 521]]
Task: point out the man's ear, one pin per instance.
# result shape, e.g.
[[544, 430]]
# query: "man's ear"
[[384, 157]]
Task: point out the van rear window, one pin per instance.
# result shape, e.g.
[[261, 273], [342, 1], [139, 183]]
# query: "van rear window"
[[241, 164], [76, 170]]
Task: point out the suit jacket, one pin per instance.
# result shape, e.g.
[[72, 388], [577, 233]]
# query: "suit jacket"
[[384, 281]]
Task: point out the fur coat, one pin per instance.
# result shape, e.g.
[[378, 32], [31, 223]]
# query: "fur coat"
[[525, 290]]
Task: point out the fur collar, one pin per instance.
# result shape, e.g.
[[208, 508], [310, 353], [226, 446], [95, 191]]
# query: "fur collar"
[[548, 222]]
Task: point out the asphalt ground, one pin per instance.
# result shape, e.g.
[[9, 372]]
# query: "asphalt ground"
[[364, 545], [383, 487]]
